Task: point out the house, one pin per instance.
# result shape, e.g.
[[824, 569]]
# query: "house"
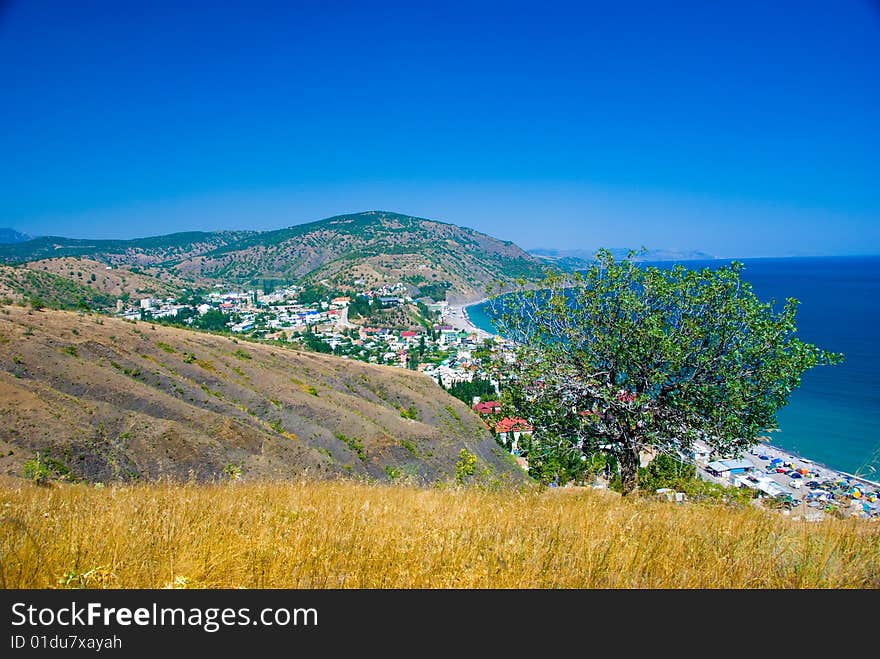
[[510, 429], [387, 302], [448, 336], [721, 468], [488, 407]]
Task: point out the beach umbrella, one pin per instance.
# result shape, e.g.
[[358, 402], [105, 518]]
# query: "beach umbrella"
[[776, 461], [804, 471]]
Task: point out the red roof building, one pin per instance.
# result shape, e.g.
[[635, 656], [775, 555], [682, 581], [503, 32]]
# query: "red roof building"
[[513, 424], [488, 407]]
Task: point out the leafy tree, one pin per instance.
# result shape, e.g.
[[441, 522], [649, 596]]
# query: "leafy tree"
[[465, 391], [213, 320], [312, 341], [622, 357]]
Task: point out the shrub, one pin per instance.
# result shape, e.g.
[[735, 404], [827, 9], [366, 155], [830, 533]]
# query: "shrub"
[[354, 444], [233, 471], [466, 465], [41, 468]]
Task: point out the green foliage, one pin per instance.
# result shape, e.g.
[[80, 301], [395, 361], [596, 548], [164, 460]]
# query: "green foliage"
[[436, 291], [559, 463], [466, 391], [360, 307], [188, 358], [354, 444], [393, 473], [36, 471], [409, 413], [241, 354], [629, 357], [233, 472], [466, 465], [70, 350], [666, 471], [314, 293], [213, 320], [41, 468], [409, 446], [165, 347], [315, 343]]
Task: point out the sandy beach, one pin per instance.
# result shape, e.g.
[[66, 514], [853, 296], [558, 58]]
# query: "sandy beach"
[[456, 317]]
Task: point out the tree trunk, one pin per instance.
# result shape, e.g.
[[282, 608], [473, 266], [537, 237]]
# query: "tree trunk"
[[629, 470]]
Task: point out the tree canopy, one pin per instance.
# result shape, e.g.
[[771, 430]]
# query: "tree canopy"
[[622, 357]]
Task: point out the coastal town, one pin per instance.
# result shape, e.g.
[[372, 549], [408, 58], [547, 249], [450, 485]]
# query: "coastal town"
[[439, 340], [434, 338]]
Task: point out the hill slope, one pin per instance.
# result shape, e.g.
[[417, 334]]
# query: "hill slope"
[[375, 247], [67, 282], [108, 399]]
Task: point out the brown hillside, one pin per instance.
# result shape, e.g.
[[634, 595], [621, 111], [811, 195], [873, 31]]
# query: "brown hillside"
[[115, 282], [109, 399]]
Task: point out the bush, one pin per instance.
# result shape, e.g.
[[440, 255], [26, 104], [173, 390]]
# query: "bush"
[[466, 465], [41, 468], [354, 444]]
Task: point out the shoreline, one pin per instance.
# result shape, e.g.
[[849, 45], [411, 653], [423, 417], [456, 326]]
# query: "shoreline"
[[832, 472], [456, 316]]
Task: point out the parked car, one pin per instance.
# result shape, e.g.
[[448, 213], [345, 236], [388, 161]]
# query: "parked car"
[[780, 470]]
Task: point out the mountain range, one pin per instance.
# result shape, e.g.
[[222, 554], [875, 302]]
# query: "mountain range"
[[433, 259], [8, 236], [573, 259], [369, 248]]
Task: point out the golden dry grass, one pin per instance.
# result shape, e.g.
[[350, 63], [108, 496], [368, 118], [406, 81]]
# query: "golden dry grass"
[[338, 534]]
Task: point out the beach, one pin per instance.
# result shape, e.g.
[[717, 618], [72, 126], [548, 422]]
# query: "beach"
[[456, 316]]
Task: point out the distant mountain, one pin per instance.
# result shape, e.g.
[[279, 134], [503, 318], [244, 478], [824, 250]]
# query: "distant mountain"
[[374, 247], [572, 259], [8, 236]]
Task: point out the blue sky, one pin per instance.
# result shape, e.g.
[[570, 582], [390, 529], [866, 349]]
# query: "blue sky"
[[740, 128]]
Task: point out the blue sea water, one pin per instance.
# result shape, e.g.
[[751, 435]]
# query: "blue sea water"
[[834, 416]]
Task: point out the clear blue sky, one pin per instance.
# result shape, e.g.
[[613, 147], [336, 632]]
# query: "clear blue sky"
[[737, 128]]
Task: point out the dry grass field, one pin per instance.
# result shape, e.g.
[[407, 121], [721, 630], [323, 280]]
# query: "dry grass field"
[[344, 534]]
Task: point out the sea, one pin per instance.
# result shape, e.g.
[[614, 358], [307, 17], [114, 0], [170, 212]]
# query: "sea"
[[833, 418]]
